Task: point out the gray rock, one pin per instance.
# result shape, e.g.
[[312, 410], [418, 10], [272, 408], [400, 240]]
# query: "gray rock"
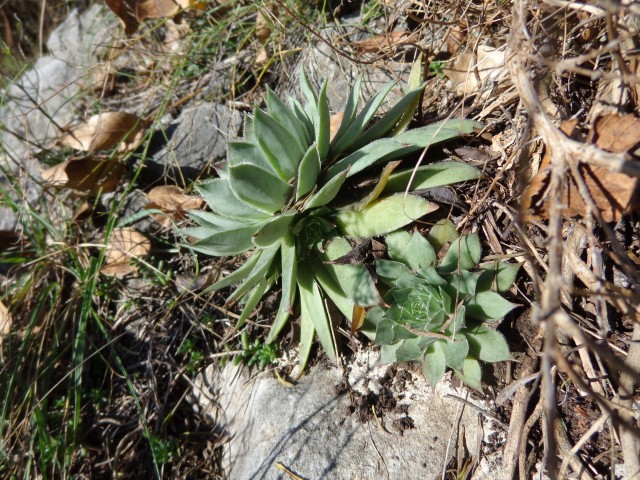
[[45, 98], [313, 430], [195, 141]]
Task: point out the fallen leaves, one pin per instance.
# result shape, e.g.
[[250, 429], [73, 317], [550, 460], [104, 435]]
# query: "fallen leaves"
[[5, 320], [92, 175], [173, 202], [469, 73], [104, 131], [125, 245], [133, 12], [611, 192]]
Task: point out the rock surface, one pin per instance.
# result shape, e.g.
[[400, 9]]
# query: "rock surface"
[[45, 98], [324, 427], [195, 141]]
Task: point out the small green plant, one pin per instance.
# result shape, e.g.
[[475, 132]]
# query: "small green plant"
[[282, 196], [438, 314], [436, 68], [259, 353]]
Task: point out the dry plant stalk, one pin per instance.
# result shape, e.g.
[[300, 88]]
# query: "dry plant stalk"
[[566, 154]]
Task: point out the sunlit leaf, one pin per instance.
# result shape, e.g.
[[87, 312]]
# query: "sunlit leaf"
[[328, 192], [383, 216], [311, 302], [430, 176]]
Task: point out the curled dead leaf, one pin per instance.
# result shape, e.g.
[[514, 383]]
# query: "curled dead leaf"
[[5, 320], [85, 174], [464, 71], [173, 202], [357, 317], [104, 131], [133, 12], [125, 245], [611, 192]]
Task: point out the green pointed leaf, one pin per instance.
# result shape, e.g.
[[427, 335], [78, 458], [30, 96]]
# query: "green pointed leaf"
[[258, 273], [355, 280], [443, 232], [274, 229], [383, 216], [391, 271], [311, 303], [228, 242], [390, 119], [218, 195], [434, 363], [259, 188], [247, 129], [287, 118], [415, 79], [349, 110], [488, 345], [237, 275], [498, 277], [214, 222], [302, 116], [279, 146], [333, 290], [412, 250], [388, 353], [289, 270], [471, 373], [489, 305], [308, 172], [375, 153], [463, 254], [328, 192], [307, 88], [409, 350], [307, 333], [361, 121], [323, 124], [244, 153], [455, 352], [465, 284], [430, 176], [438, 132], [252, 301]]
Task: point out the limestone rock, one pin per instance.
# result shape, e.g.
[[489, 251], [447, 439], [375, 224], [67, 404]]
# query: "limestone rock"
[[195, 141], [324, 426]]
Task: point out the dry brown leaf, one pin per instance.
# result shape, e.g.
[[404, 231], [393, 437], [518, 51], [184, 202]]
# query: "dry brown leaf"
[[386, 41], [262, 57], [126, 11], [104, 131], [85, 174], [334, 124], [611, 192], [125, 244], [5, 320], [133, 12], [490, 67], [357, 317], [172, 201], [263, 28], [455, 38]]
